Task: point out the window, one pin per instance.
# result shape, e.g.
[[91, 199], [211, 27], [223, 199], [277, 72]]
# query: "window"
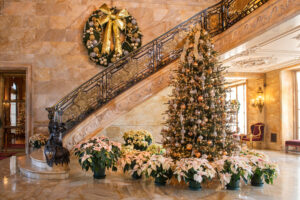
[[238, 93], [298, 103]]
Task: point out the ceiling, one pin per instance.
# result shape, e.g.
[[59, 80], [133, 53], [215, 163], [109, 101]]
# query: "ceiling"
[[276, 48]]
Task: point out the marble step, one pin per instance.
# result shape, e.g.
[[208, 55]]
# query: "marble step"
[[38, 159], [30, 170]]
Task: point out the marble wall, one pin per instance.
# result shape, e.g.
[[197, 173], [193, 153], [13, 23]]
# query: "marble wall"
[[253, 114], [46, 34], [273, 109], [149, 116]]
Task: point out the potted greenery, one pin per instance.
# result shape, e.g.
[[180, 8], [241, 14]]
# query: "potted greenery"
[[140, 139], [98, 154], [38, 140], [133, 162], [194, 171], [231, 170], [160, 168], [263, 170]]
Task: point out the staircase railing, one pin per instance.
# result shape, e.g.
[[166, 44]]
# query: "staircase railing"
[[141, 63]]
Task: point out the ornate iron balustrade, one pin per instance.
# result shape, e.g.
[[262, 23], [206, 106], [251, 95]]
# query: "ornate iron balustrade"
[[136, 66]]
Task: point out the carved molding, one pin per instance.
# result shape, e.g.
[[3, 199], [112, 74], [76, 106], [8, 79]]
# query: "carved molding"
[[258, 61]]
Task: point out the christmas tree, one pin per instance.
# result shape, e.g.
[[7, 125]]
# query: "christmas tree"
[[197, 119]]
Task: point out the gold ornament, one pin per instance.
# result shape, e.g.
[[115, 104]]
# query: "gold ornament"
[[209, 142], [189, 147], [200, 98], [198, 154], [113, 22], [182, 106], [92, 37], [225, 153], [209, 71]]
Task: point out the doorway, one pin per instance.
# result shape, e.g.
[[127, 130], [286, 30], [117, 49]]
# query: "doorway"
[[13, 110]]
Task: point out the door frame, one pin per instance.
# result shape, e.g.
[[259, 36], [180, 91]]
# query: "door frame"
[[9, 66]]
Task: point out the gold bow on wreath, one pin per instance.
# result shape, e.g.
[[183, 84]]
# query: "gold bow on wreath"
[[115, 22]]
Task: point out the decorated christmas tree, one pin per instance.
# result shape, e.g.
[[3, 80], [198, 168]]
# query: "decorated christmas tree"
[[197, 118]]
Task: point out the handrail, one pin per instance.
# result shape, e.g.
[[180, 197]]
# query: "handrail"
[[141, 63]]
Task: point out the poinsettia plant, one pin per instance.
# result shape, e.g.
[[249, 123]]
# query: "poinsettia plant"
[[160, 168], [262, 167], [156, 149], [232, 169], [98, 152], [38, 140], [140, 139], [134, 161], [194, 170]]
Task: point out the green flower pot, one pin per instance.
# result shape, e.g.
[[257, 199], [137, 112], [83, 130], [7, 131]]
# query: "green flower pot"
[[99, 173], [194, 185], [160, 180], [136, 176], [257, 181], [234, 184]]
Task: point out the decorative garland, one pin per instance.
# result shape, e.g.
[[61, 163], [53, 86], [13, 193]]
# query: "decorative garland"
[[110, 34]]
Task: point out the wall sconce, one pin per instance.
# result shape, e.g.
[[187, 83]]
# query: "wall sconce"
[[259, 101]]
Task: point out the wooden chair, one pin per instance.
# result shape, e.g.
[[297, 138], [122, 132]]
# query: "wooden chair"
[[256, 135]]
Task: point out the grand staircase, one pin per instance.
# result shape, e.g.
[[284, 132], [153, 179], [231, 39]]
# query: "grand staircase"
[[142, 73]]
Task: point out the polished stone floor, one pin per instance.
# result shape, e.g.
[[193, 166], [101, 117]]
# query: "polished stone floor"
[[81, 185]]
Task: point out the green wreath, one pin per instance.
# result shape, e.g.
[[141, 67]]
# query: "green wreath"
[[110, 34]]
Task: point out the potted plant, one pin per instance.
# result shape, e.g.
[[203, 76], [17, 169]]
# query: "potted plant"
[[38, 140], [140, 139], [160, 168], [194, 171], [263, 170], [156, 149], [98, 154], [134, 162], [231, 170]]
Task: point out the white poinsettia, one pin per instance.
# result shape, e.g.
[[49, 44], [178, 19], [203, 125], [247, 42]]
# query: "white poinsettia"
[[159, 166], [134, 161], [234, 166], [261, 165], [98, 151], [194, 169]]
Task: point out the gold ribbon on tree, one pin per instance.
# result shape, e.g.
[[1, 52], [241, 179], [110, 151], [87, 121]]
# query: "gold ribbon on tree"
[[114, 23]]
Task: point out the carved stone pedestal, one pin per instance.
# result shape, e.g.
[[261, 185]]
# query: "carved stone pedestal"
[[35, 166]]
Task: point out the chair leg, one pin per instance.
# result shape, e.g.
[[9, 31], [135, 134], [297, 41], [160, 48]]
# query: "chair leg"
[[286, 148]]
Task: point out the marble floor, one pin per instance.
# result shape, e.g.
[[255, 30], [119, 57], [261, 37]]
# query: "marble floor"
[[81, 185]]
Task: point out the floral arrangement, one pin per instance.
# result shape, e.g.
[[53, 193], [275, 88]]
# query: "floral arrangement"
[[194, 171], [38, 140], [262, 168], [140, 139], [160, 168], [97, 154], [231, 169], [134, 162], [156, 149], [109, 34]]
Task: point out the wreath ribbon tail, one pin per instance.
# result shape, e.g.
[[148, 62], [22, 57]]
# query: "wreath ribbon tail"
[[118, 45], [107, 41]]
